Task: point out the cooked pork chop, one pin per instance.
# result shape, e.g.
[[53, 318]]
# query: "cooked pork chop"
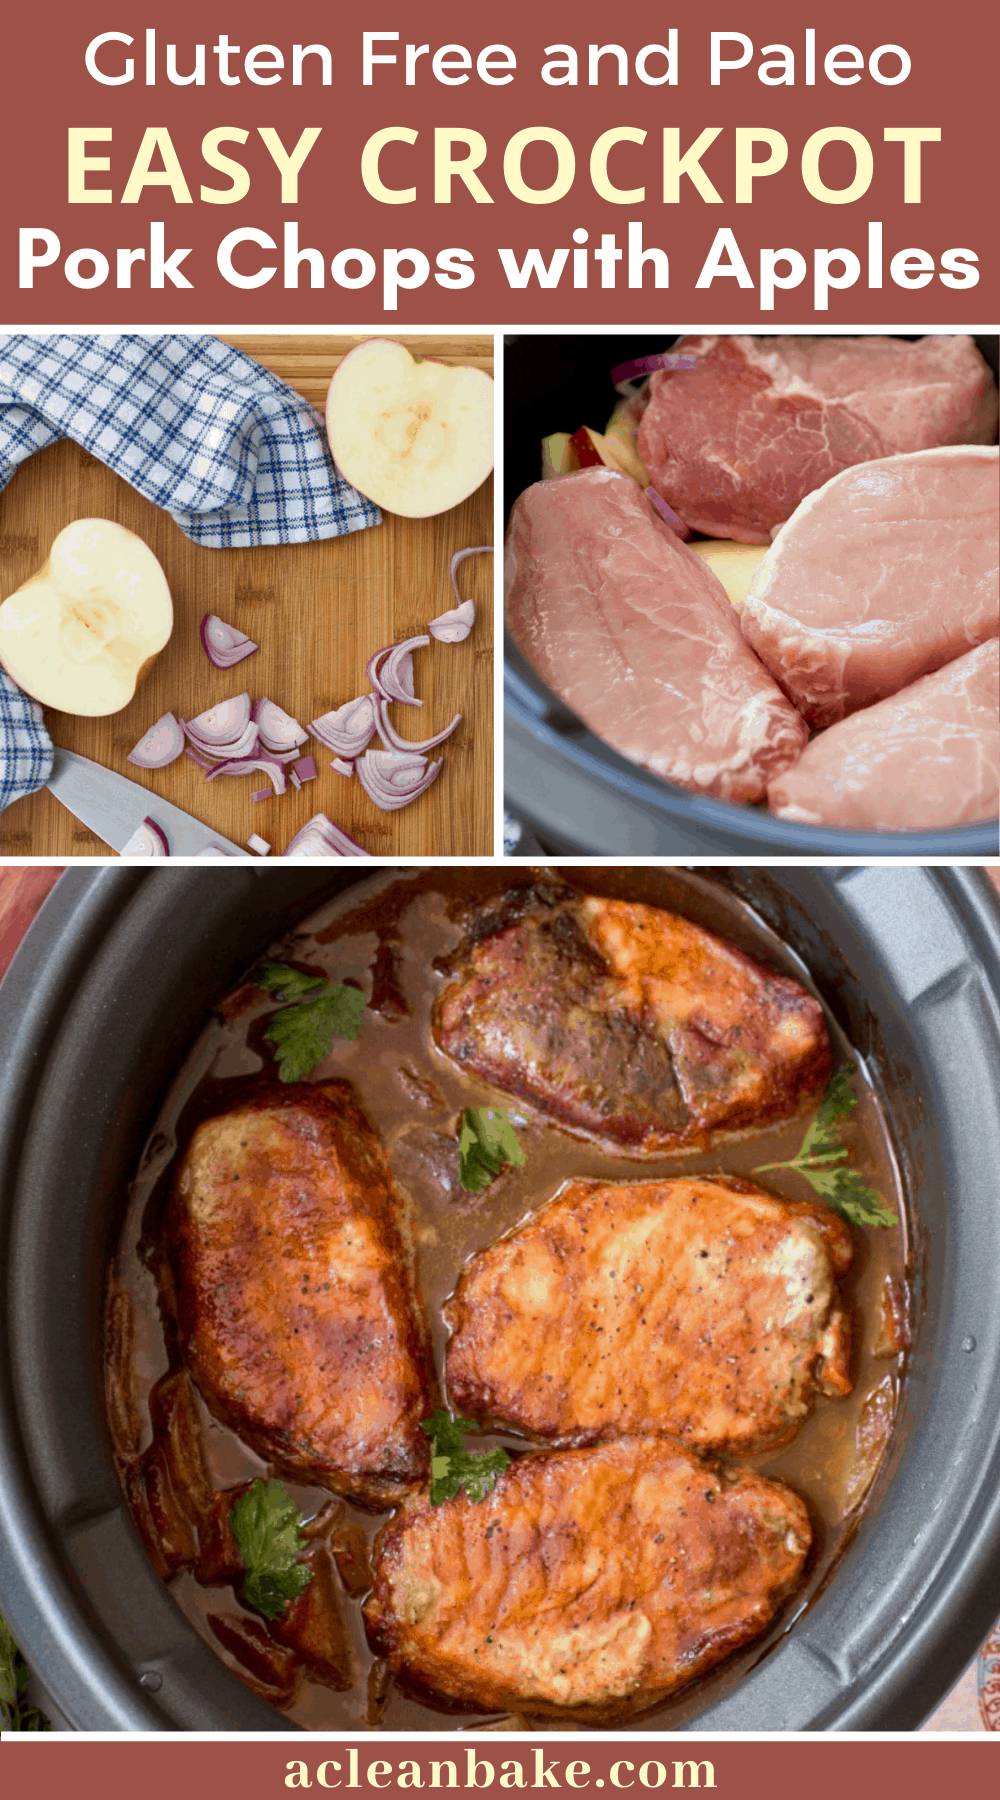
[[629, 1023], [588, 1579], [706, 1309], [737, 441], [293, 1294]]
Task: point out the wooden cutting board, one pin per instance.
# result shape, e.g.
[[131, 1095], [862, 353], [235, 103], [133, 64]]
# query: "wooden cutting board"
[[318, 612]]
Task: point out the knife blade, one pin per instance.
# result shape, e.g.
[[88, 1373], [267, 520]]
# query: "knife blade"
[[115, 807]]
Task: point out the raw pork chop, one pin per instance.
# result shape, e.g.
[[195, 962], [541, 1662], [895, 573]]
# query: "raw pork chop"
[[737, 442], [587, 1580], [627, 1022], [705, 1308], [884, 574], [929, 756], [636, 635], [293, 1293]]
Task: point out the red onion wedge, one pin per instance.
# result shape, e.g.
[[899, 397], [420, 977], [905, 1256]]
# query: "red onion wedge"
[[395, 678], [453, 627], [161, 745], [305, 768], [460, 556], [240, 746], [149, 839], [223, 644], [258, 844], [667, 512], [392, 779], [221, 724], [196, 757], [322, 838], [392, 740], [278, 730], [347, 730], [342, 767], [245, 765]]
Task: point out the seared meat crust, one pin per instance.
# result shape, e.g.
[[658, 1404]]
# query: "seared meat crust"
[[704, 1308], [588, 1579], [293, 1293], [631, 1024]]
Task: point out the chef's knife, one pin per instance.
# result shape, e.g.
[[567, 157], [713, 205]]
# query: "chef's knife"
[[115, 807]]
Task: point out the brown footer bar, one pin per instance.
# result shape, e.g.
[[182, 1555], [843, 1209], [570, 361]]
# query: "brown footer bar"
[[268, 1769]]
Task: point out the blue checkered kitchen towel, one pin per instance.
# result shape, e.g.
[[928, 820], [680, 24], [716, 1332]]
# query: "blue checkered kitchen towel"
[[231, 453]]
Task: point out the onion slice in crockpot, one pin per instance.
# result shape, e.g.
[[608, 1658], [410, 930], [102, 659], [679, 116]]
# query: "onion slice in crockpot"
[[348, 729], [278, 730], [321, 837], [392, 740], [392, 779], [162, 744], [148, 839], [223, 644]]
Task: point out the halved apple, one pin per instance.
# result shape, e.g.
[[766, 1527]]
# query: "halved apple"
[[81, 633], [414, 435]]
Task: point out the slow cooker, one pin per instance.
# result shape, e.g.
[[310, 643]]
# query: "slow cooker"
[[579, 796], [113, 981]]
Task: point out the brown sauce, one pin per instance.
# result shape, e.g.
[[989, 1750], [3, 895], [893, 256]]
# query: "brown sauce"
[[388, 933]]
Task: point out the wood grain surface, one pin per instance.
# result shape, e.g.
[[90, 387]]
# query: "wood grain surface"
[[318, 612]]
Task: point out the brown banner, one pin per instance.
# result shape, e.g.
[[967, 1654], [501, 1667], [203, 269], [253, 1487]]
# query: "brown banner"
[[535, 163]]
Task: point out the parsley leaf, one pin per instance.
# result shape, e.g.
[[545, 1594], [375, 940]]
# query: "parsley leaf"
[[267, 1527], [455, 1470], [304, 1034], [823, 1153], [14, 1715], [286, 982], [487, 1141]]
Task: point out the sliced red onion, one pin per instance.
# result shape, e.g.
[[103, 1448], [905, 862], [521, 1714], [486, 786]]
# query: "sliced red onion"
[[278, 730], [293, 778], [149, 839], [258, 844], [240, 746], [196, 757], [262, 794], [395, 679], [460, 556], [161, 745], [221, 724], [244, 765], [668, 513], [392, 780], [212, 850], [347, 730], [342, 767], [453, 627], [305, 768], [322, 838], [223, 644], [372, 668], [392, 740]]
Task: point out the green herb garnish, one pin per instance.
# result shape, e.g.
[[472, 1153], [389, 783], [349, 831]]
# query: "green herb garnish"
[[303, 1034], [454, 1469], [14, 1714], [286, 982], [267, 1527], [823, 1154], [487, 1141]]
